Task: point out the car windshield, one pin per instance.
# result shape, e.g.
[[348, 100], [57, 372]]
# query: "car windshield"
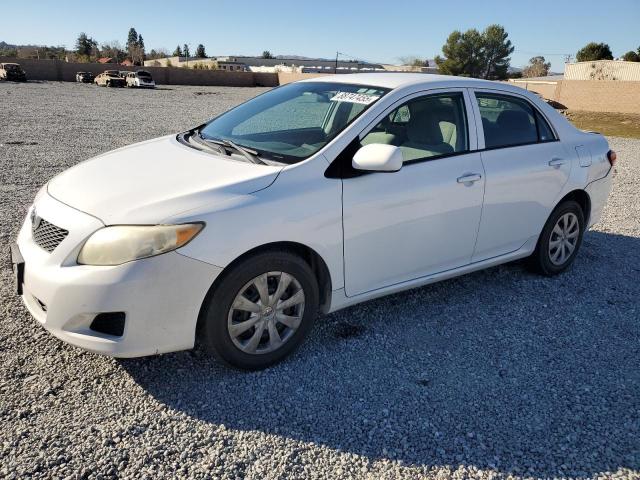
[[12, 67], [144, 74], [291, 123]]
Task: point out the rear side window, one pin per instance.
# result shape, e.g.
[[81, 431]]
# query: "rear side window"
[[508, 121]]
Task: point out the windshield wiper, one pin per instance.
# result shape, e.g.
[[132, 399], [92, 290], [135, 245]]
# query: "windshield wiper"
[[248, 153]]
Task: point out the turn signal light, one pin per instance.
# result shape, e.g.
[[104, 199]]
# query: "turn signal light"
[[612, 157]]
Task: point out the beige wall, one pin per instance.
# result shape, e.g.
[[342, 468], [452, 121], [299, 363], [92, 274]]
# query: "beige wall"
[[599, 96], [66, 72], [286, 77], [546, 90], [590, 95]]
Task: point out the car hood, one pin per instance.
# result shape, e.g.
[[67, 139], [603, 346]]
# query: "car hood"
[[150, 181]]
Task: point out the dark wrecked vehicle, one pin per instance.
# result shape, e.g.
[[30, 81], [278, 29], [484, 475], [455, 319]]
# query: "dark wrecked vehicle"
[[12, 72], [84, 77]]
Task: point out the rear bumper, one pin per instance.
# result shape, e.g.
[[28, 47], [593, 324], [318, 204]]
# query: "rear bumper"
[[160, 296], [599, 191]]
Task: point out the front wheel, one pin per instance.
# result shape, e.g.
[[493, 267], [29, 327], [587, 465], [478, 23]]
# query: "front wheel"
[[261, 310], [560, 240]]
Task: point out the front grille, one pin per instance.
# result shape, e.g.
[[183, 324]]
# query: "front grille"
[[47, 235]]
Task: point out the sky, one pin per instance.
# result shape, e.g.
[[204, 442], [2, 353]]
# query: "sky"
[[373, 30]]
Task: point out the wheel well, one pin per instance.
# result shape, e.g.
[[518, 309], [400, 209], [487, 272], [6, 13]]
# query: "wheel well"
[[582, 198], [313, 259]]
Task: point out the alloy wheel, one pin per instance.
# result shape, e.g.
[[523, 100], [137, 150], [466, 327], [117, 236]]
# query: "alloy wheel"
[[564, 238], [266, 312]]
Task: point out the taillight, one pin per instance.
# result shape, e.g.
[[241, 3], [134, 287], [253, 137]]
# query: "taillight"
[[612, 157]]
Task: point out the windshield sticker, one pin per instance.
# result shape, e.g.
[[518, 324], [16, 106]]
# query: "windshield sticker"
[[350, 97]]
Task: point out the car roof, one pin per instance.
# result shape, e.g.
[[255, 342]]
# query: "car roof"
[[395, 80]]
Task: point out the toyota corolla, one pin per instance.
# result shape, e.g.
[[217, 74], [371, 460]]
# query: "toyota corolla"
[[309, 198]]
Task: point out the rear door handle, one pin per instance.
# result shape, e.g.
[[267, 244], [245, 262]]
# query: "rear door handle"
[[557, 162], [469, 178]]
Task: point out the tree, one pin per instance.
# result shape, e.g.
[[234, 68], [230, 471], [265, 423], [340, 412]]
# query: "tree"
[[414, 61], [463, 54], [594, 51], [139, 51], [475, 54], [135, 47], [85, 46], [496, 50], [159, 53], [114, 50], [132, 38], [200, 53], [185, 50], [537, 68], [267, 54], [631, 56], [177, 52]]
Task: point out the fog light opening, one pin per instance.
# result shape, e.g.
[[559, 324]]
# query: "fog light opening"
[[109, 323]]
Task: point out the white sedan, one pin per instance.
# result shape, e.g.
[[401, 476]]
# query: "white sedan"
[[309, 198], [140, 79]]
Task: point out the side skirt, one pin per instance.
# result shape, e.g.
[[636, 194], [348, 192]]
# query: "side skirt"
[[339, 300]]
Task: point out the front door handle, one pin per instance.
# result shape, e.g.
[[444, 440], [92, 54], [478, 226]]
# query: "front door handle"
[[469, 178], [556, 162]]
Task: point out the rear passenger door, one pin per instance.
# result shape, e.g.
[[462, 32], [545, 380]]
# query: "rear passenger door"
[[526, 168]]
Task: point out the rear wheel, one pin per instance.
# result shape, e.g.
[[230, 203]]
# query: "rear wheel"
[[261, 310], [560, 240]]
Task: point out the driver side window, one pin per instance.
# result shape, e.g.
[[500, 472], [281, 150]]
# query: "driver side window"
[[425, 127]]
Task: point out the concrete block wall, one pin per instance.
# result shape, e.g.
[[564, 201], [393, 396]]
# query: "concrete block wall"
[[57, 70], [590, 95], [599, 95]]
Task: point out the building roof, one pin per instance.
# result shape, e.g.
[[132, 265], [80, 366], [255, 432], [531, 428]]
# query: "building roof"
[[127, 63], [105, 60], [400, 79]]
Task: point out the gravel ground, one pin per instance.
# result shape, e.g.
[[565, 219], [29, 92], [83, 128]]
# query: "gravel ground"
[[498, 374]]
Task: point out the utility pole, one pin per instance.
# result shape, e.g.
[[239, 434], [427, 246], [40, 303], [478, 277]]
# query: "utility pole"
[[335, 68]]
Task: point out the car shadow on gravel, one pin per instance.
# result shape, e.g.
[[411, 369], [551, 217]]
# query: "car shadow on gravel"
[[501, 369]]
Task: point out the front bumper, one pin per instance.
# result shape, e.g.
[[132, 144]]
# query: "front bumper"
[[160, 296], [16, 78]]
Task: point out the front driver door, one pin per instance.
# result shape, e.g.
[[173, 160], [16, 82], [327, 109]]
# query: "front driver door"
[[424, 218]]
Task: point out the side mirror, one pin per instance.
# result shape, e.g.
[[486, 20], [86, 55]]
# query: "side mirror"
[[378, 157]]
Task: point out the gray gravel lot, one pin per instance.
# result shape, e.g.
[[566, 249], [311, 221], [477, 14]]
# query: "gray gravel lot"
[[498, 374]]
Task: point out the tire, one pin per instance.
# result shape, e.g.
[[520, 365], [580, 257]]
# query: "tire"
[[252, 346], [560, 240]]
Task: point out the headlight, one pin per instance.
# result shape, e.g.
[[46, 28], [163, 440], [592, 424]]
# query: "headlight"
[[124, 243]]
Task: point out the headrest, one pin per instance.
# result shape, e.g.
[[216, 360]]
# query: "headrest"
[[424, 128], [514, 120]]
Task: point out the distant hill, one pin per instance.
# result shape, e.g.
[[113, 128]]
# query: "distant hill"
[[31, 51]]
